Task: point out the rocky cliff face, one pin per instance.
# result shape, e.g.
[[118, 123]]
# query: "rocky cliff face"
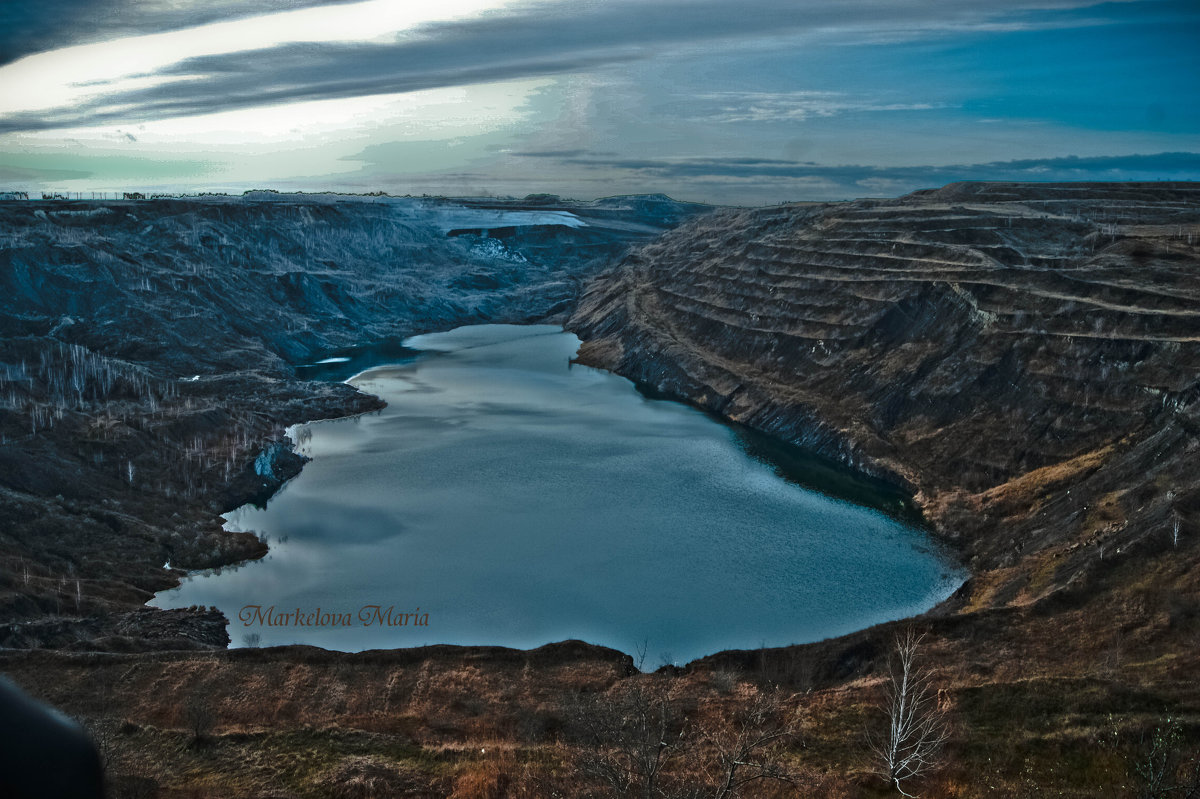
[[1024, 358], [149, 355]]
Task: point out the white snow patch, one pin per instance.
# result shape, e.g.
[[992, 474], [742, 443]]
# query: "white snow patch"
[[447, 219]]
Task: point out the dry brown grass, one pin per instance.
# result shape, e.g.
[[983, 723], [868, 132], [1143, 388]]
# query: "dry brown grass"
[[1029, 491]]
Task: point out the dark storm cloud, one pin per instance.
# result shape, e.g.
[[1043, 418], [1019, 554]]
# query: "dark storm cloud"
[[533, 39], [32, 26]]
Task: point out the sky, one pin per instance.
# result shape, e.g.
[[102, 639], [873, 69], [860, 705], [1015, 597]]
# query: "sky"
[[751, 102]]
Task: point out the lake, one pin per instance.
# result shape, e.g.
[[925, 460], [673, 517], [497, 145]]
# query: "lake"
[[507, 496]]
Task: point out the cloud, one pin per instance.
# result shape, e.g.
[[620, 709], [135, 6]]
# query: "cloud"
[[32, 26], [552, 154], [15, 174], [528, 40], [853, 180], [733, 107]]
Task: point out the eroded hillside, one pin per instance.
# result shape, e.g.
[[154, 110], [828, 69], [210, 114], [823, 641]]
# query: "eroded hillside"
[[149, 355], [1024, 358]]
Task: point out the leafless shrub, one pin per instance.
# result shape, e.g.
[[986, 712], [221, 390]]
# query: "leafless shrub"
[[747, 746], [725, 680], [199, 715], [629, 738], [1161, 769]]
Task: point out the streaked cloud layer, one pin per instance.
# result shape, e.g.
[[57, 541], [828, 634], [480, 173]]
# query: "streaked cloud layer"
[[31, 27], [749, 102]]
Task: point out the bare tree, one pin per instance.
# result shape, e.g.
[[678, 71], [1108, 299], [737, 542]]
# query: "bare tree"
[[640, 648], [916, 727], [628, 739], [747, 748]]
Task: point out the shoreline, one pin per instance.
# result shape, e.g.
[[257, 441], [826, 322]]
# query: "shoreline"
[[860, 479]]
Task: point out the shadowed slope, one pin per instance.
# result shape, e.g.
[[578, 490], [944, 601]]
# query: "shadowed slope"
[[1024, 358]]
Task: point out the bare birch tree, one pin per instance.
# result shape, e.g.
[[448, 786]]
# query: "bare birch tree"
[[916, 728]]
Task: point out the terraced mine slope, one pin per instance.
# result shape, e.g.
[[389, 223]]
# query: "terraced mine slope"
[[1024, 358]]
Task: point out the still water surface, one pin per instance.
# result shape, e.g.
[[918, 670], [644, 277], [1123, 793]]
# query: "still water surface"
[[517, 499]]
